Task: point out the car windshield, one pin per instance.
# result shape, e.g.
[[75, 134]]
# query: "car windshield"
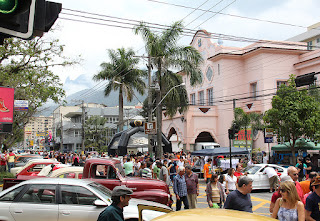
[[102, 190], [252, 169], [120, 169]]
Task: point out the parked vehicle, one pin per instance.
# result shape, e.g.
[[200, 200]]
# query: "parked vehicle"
[[260, 180], [67, 172], [32, 164], [22, 159], [110, 174], [54, 199], [205, 145]]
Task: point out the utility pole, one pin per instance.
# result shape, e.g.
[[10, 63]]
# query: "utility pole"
[[150, 150], [82, 126], [61, 134]]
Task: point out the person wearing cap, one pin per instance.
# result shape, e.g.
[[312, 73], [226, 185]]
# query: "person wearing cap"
[[120, 198], [313, 202]]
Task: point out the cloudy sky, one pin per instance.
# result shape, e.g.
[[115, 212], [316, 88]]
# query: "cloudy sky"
[[91, 41]]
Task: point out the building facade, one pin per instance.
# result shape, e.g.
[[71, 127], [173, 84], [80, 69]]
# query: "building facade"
[[311, 37], [69, 120], [36, 132], [235, 77]]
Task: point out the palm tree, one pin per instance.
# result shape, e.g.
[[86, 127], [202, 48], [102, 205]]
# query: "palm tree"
[[165, 55], [122, 74]]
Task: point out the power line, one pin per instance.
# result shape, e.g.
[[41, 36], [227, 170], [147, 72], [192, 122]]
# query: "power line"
[[232, 15]]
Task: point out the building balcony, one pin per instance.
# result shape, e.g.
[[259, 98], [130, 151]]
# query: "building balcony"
[[71, 140], [251, 105], [72, 126]]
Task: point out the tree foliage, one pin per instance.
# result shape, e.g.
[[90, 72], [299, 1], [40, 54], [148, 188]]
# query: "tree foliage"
[[294, 114], [95, 133], [245, 120], [122, 74], [26, 66]]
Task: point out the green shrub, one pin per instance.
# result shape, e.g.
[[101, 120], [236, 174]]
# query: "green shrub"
[[5, 175]]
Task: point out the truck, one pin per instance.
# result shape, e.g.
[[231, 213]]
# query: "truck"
[[109, 173], [205, 145]]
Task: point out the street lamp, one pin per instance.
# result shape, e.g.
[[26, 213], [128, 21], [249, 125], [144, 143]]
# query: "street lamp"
[[159, 117], [182, 84]]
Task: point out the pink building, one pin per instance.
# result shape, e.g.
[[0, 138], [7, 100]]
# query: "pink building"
[[235, 73]]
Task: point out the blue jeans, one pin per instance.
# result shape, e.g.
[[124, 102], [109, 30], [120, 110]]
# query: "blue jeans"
[[10, 165]]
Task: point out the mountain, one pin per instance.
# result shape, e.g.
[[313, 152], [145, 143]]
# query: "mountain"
[[93, 96]]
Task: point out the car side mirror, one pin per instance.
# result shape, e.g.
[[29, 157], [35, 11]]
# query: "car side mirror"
[[99, 203]]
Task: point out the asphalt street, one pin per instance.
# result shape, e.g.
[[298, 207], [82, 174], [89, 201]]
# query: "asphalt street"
[[260, 200]]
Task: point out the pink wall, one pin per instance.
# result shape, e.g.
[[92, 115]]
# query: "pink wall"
[[234, 72]]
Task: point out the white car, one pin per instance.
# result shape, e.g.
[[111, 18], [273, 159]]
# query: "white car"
[[55, 199], [261, 180]]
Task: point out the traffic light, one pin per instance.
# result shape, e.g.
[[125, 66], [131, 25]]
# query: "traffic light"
[[306, 79], [27, 18]]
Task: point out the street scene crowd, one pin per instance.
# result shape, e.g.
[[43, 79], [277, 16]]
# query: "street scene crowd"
[[296, 196]]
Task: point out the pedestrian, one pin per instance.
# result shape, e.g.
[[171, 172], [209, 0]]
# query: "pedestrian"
[[128, 167], [310, 167], [272, 176], [82, 160], [3, 162], [240, 199], [313, 202], [265, 158], [192, 187], [215, 192], [238, 171], [288, 207], [207, 171], [305, 185], [120, 198], [293, 173], [172, 167], [180, 189], [231, 181], [10, 159], [277, 193], [301, 167], [75, 160], [163, 174]]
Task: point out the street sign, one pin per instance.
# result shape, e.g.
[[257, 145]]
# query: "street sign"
[[20, 105], [150, 128], [268, 139], [268, 132]]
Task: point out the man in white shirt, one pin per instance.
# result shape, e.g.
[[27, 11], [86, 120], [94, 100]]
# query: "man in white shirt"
[[273, 177], [265, 158]]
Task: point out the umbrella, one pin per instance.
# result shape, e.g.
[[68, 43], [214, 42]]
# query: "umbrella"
[[218, 151]]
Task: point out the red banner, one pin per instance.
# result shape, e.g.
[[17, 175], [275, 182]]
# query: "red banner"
[[6, 104]]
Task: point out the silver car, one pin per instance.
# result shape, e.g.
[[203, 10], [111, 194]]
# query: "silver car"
[[55, 199]]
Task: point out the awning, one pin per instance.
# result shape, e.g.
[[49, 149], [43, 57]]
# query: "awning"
[[301, 144], [220, 151]]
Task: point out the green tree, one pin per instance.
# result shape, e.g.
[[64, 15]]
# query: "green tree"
[[245, 120], [166, 55], [122, 74], [26, 66], [294, 114], [95, 133]]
